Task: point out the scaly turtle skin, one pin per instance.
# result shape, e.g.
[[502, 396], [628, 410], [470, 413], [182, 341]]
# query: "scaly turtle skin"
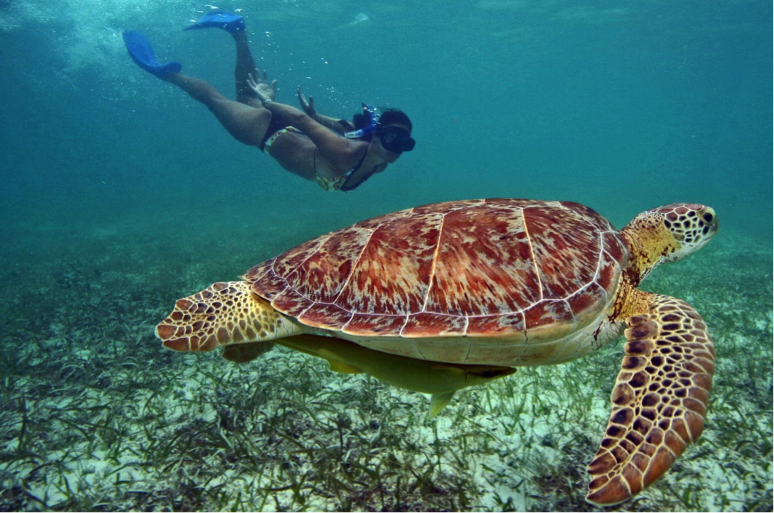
[[502, 282]]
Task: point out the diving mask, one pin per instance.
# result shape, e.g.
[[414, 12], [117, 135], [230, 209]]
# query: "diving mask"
[[395, 138]]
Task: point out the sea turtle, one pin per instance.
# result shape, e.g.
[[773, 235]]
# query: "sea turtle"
[[503, 282]]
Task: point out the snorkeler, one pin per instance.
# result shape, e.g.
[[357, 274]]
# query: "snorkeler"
[[337, 154]]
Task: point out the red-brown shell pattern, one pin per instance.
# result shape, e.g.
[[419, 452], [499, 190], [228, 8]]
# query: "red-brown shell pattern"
[[491, 267]]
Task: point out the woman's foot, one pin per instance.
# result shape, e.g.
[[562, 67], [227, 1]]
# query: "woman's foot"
[[141, 52], [219, 19]]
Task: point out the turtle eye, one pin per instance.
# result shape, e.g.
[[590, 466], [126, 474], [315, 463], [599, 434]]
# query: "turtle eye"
[[708, 217]]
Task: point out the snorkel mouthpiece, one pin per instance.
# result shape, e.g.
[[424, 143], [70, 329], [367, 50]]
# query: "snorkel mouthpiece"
[[372, 118]]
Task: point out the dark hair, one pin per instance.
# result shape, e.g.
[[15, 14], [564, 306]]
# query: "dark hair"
[[388, 117], [395, 117]]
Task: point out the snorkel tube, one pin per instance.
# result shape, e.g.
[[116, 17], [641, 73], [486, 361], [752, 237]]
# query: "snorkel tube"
[[372, 118]]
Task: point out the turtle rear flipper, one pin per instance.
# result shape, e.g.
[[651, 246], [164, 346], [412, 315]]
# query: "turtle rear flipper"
[[659, 400], [222, 314]]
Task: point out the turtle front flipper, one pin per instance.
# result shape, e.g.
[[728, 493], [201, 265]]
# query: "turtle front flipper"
[[223, 314], [659, 400]]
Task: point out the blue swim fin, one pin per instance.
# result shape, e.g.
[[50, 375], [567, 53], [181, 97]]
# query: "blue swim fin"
[[141, 52], [219, 19]]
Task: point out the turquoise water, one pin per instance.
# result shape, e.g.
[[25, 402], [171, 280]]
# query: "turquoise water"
[[120, 194]]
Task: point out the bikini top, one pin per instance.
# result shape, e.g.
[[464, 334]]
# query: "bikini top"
[[340, 183]]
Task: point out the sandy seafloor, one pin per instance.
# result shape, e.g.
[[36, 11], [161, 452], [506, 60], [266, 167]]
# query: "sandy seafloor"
[[119, 195]]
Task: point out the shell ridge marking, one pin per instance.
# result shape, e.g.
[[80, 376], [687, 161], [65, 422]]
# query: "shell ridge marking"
[[599, 267], [430, 281], [602, 253], [569, 309], [327, 238], [434, 265], [405, 322], [535, 266], [287, 285], [352, 271], [346, 282], [270, 268], [531, 252], [305, 310], [614, 260]]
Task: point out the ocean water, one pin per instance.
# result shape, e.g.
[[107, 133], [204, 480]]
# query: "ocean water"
[[119, 195]]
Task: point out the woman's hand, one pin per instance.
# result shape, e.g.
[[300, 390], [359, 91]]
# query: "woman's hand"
[[261, 87], [306, 105]]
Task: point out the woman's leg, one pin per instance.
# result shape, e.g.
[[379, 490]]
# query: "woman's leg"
[[245, 64], [246, 124]]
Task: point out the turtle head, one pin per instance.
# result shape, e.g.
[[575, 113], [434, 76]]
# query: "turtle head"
[[668, 234]]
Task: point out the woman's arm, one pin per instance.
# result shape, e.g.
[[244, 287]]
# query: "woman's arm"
[[308, 106], [343, 153]]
